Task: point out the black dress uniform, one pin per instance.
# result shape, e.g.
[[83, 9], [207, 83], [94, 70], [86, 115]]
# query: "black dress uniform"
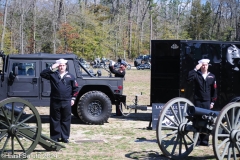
[[205, 93], [117, 72], [63, 90]]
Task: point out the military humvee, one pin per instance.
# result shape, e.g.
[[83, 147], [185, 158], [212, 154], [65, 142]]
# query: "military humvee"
[[20, 77]]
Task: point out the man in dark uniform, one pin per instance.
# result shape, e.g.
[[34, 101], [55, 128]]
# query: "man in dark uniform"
[[205, 92], [64, 89], [119, 73]]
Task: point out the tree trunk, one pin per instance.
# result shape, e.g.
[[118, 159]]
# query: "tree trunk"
[[4, 24], [34, 27], [130, 29], [21, 27], [54, 25], [60, 11], [150, 30], [238, 30]]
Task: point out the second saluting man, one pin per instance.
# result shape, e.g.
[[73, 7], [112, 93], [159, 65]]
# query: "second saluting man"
[[205, 91]]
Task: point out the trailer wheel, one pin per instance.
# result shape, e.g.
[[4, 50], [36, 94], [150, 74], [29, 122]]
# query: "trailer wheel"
[[94, 107]]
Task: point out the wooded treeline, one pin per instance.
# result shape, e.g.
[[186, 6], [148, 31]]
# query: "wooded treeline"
[[112, 28]]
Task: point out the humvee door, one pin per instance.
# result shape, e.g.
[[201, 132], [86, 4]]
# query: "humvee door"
[[26, 79]]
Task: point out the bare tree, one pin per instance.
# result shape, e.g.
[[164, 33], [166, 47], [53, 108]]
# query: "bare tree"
[[130, 28], [4, 24], [21, 25], [54, 25]]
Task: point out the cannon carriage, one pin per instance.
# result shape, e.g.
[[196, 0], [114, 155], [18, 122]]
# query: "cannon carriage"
[[18, 137], [178, 140]]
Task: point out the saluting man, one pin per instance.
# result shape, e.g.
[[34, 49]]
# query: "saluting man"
[[205, 92], [121, 71], [64, 90]]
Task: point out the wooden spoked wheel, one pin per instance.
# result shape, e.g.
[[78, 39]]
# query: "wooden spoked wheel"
[[226, 135], [174, 141], [18, 138]]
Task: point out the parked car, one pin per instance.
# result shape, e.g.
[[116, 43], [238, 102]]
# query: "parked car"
[[142, 66], [142, 59]]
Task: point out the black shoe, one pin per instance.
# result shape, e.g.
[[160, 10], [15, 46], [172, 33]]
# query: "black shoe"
[[204, 144], [65, 141]]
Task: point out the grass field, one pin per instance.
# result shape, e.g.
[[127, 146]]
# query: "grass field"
[[122, 137]]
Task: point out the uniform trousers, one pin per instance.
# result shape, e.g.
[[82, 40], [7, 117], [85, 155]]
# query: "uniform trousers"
[[60, 119], [203, 139]]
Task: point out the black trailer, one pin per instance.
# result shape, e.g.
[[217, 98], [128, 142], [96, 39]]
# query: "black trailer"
[[173, 59], [179, 122]]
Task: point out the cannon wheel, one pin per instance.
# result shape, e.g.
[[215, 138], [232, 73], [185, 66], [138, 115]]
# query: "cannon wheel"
[[172, 137], [14, 131], [226, 135]]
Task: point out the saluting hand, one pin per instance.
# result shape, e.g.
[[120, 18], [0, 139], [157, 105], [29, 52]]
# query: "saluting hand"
[[198, 66], [55, 65]]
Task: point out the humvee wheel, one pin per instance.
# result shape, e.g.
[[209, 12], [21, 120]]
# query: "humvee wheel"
[[226, 135], [14, 129], [173, 140], [94, 107]]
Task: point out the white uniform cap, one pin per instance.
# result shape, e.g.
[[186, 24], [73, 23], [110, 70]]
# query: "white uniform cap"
[[204, 61], [60, 61]]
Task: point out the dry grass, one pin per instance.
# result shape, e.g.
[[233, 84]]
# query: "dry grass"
[[122, 137]]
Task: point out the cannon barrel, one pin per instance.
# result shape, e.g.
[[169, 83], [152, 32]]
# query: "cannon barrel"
[[17, 110], [197, 111]]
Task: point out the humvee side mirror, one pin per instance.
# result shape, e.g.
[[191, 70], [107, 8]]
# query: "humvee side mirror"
[[12, 75], [11, 78], [16, 71]]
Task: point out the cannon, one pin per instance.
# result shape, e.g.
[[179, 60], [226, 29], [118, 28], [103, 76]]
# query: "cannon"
[[18, 137], [178, 140]]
